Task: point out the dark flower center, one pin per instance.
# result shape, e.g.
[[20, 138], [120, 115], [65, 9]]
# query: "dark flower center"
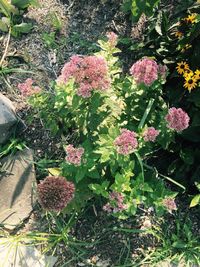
[[190, 81]]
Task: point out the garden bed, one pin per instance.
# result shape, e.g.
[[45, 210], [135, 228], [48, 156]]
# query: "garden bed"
[[108, 220]]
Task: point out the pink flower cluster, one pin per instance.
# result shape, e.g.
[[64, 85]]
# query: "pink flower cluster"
[[126, 142], [74, 155], [177, 119], [145, 71], [162, 70], [116, 203], [27, 88], [55, 193], [150, 134], [170, 204], [90, 73], [112, 38]]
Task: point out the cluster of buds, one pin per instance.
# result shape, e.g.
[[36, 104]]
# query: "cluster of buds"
[[177, 119], [89, 72], [126, 142], [150, 134], [116, 203], [74, 155], [169, 204], [27, 88]]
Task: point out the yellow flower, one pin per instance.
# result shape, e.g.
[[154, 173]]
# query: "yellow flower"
[[186, 47], [191, 18], [188, 73], [190, 83], [182, 67], [178, 34], [197, 74]]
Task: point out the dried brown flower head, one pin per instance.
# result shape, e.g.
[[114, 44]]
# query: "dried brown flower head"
[[55, 193]]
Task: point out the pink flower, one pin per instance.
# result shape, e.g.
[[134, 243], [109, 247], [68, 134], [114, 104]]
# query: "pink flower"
[[162, 70], [145, 71], [27, 88], [170, 204], [74, 155], [112, 38], [116, 203], [177, 119], [84, 90], [90, 73], [150, 134], [107, 207], [126, 142], [55, 193]]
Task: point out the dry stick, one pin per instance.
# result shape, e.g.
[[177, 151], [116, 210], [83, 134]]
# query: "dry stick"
[[6, 48]]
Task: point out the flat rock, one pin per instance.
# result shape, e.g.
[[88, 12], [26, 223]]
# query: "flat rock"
[[22, 255], [17, 176], [7, 119]]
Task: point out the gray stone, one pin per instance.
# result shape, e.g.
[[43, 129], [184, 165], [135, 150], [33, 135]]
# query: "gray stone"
[[7, 118], [22, 255], [16, 188]]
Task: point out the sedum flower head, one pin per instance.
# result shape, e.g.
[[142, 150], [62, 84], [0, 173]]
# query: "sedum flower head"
[[162, 70], [112, 38], [74, 155], [177, 119], [126, 142], [116, 203], [27, 88], [170, 204], [55, 193], [150, 134], [90, 73], [145, 71]]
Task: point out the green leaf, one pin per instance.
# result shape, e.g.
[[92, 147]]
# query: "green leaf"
[[22, 28], [195, 201], [159, 24], [113, 131], [100, 189], [187, 155], [93, 174], [80, 174], [146, 113], [147, 188], [22, 4], [179, 245], [3, 26], [7, 9], [54, 171]]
